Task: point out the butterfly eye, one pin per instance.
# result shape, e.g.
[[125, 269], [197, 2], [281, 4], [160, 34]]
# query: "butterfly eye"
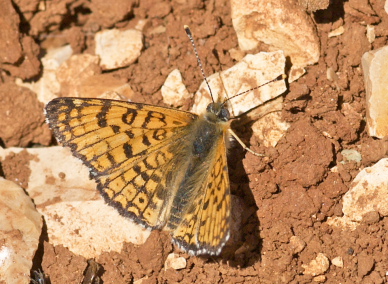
[[224, 114], [210, 108]]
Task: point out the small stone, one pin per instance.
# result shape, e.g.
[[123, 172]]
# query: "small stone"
[[351, 155], [314, 5], [175, 261], [297, 244], [273, 22], [337, 32], [319, 279], [369, 192], [386, 6], [338, 261], [370, 33], [317, 266], [251, 72], [270, 128], [375, 65], [20, 230], [118, 48], [76, 69], [173, 91], [295, 73]]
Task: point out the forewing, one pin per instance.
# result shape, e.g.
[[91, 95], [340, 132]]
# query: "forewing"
[[128, 148], [206, 225]]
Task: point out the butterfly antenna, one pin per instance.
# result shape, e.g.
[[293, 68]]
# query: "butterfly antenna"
[[278, 78], [190, 35]]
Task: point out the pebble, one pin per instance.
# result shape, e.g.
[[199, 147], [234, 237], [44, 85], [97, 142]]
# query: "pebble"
[[273, 23], [375, 65], [20, 230], [118, 48], [317, 266]]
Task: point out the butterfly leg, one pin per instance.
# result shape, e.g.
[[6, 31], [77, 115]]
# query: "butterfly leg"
[[245, 147]]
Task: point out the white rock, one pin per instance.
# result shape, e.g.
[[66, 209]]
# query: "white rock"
[[351, 155], [370, 33], [295, 73], [369, 192], [342, 222], [375, 66], [297, 244], [279, 26], [251, 72], [173, 91], [118, 48], [48, 87], [76, 69], [386, 6], [337, 32], [270, 128], [175, 261], [20, 229], [317, 266], [75, 214], [319, 279], [338, 261]]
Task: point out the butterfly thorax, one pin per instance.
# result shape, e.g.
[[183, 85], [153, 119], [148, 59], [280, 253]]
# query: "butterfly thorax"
[[207, 133]]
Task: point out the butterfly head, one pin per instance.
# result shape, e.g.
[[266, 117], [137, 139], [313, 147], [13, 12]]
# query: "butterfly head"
[[217, 112]]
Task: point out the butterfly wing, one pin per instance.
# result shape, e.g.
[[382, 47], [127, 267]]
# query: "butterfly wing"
[[205, 227], [128, 148]]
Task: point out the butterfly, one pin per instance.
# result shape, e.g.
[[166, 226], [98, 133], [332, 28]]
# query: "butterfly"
[[161, 167]]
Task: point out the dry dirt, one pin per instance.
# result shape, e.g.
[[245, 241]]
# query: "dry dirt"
[[290, 193]]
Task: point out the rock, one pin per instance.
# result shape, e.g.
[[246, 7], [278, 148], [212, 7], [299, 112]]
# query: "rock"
[[75, 213], [317, 266], [337, 32], [351, 155], [251, 72], [295, 73], [369, 192], [80, 76], [175, 261], [319, 279], [173, 91], [273, 23], [370, 33], [48, 87], [118, 48], [297, 244], [386, 6], [314, 5], [270, 128], [20, 229], [75, 70], [338, 261], [374, 65]]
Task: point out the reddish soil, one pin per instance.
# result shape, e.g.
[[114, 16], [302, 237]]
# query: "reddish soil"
[[289, 193]]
